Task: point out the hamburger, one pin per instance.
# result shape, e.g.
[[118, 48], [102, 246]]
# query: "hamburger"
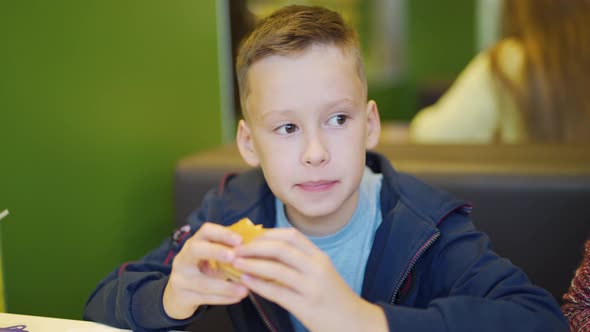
[[248, 231]]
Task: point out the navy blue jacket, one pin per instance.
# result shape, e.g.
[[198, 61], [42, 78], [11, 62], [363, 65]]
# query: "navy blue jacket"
[[429, 268]]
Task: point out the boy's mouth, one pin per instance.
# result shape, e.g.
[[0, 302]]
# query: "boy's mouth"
[[316, 186]]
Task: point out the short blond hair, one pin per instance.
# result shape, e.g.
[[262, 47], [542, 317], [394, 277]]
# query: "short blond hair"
[[291, 30]]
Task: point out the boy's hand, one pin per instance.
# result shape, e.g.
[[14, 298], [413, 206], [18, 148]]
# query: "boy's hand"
[[283, 266], [193, 282]]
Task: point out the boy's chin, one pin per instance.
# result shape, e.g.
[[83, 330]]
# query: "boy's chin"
[[316, 213]]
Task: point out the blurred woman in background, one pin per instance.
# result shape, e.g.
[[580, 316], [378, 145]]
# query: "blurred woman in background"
[[531, 86]]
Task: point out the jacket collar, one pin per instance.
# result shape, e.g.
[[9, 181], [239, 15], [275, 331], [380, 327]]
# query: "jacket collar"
[[411, 212]]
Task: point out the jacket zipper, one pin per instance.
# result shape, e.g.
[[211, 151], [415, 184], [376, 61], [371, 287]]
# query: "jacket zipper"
[[417, 256], [265, 319]]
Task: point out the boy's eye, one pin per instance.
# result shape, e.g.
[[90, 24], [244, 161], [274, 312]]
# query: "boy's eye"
[[286, 129], [337, 120]]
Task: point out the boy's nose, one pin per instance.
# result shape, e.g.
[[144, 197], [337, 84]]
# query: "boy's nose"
[[315, 152]]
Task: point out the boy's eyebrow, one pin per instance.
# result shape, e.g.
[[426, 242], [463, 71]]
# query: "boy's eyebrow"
[[330, 105], [341, 101], [274, 112]]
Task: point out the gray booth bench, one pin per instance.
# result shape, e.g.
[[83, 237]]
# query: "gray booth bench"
[[532, 200]]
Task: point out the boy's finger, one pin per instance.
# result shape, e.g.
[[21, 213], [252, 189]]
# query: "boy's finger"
[[271, 271], [209, 299], [275, 292], [202, 250], [219, 287], [278, 250], [217, 233], [291, 236]]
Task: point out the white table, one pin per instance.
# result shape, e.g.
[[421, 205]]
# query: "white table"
[[21, 323]]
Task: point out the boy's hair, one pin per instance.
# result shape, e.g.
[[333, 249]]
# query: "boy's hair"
[[291, 30]]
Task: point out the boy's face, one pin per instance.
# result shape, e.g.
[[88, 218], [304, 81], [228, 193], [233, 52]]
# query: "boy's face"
[[308, 125]]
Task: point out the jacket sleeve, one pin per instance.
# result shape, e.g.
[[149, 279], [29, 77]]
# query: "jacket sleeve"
[[131, 296], [470, 288]]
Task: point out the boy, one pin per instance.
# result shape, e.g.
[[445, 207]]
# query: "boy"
[[353, 245]]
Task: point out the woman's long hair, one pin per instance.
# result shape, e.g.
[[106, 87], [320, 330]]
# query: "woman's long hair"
[[554, 90]]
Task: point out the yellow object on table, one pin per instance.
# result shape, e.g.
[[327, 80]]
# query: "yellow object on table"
[[2, 301]]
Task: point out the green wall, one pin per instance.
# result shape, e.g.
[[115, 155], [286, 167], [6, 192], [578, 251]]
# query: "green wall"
[[98, 100], [441, 38]]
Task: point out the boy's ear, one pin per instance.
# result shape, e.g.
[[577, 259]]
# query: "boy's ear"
[[246, 144], [373, 125]]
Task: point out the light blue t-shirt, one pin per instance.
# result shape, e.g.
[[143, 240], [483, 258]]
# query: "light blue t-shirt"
[[349, 247]]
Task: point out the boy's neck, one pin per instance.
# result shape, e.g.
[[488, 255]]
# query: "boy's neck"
[[323, 225]]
